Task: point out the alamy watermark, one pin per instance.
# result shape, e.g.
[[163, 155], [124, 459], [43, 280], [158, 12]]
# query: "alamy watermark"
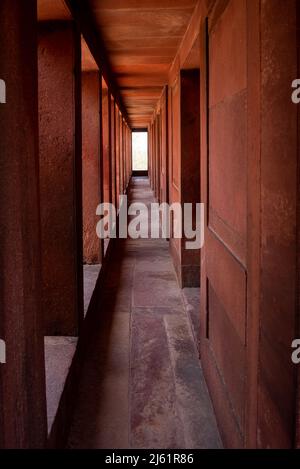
[[154, 221], [2, 351], [296, 92], [296, 352], [2, 92]]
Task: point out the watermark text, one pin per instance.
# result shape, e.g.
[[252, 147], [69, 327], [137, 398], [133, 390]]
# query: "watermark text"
[[296, 353], [2, 352], [296, 92], [154, 221], [2, 92]]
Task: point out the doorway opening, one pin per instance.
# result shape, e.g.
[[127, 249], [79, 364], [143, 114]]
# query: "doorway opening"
[[140, 153]]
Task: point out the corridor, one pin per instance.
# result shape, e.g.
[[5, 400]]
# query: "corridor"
[[141, 384], [192, 341]]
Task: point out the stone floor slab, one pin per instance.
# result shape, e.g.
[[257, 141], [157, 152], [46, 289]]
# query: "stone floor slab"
[[142, 384], [193, 401]]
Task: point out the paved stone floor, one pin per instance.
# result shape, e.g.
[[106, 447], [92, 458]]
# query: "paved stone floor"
[[59, 353], [90, 276], [142, 385]]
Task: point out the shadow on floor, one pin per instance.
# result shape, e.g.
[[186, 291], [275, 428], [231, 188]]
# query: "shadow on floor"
[[141, 383]]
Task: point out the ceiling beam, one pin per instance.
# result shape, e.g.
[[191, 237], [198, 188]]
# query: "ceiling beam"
[[83, 17]]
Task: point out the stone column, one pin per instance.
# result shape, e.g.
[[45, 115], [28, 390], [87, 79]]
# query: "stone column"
[[91, 165], [107, 190], [190, 167], [185, 167], [279, 279], [22, 379], [60, 176], [118, 155], [113, 149]]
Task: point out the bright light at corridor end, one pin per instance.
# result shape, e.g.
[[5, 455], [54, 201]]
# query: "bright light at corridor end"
[[139, 151]]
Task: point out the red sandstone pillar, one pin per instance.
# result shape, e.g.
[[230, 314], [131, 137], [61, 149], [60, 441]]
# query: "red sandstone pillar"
[[117, 130], [151, 153], [124, 154], [60, 176], [106, 143], [190, 167], [121, 153], [164, 147], [129, 154], [130, 151], [158, 154], [186, 170], [113, 149], [279, 280], [22, 381], [155, 156], [91, 165]]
